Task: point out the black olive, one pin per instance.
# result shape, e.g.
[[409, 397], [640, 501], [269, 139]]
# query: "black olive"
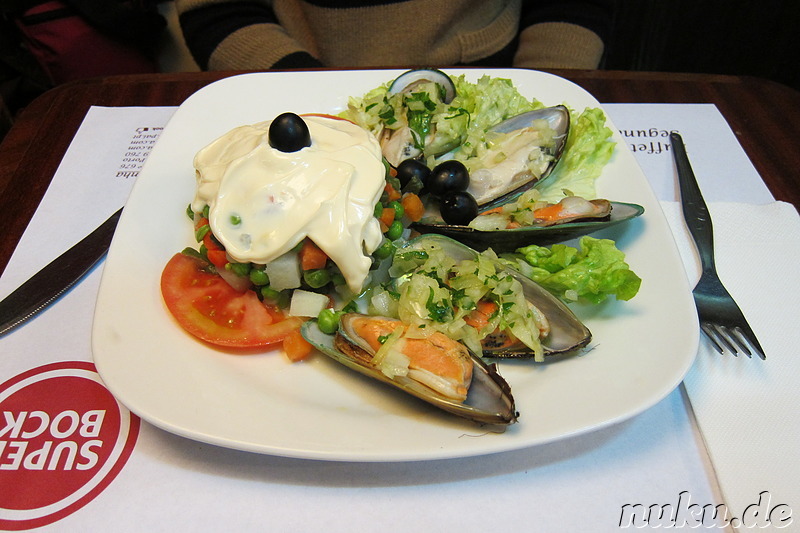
[[448, 176], [289, 133], [410, 169], [458, 208]]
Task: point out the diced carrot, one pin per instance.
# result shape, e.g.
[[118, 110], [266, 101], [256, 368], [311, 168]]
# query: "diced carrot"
[[393, 193], [216, 253], [387, 216], [498, 209], [311, 257], [296, 347], [412, 206], [202, 221]]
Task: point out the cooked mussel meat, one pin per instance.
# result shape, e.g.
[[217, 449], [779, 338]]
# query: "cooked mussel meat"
[[521, 153], [433, 368], [569, 209], [427, 357]]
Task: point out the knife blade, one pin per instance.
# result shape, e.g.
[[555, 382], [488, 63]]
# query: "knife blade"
[[54, 280]]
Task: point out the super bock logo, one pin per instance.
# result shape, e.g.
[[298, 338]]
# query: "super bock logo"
[[63, 439]]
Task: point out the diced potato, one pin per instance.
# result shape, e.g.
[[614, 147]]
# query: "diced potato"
[[305, 303], [284, 272]]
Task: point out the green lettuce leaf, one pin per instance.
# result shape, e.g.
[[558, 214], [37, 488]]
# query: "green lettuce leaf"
[[589, 148], [591, 273]]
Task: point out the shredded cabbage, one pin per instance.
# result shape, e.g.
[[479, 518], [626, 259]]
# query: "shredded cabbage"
[[461, 124], [435, 292]]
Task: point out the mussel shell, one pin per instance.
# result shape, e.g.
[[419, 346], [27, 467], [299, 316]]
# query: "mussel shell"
[[567, 333], [559, 120], [410, 77], [489, 400], [508, 240]]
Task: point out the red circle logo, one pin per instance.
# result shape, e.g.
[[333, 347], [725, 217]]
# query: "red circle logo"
[[63, 439]]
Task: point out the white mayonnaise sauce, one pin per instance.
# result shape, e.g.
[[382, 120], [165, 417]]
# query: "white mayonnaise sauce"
[[263, 202]]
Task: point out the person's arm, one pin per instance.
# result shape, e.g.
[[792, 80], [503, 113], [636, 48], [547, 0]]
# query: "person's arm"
[[563, 34], [239, 35]]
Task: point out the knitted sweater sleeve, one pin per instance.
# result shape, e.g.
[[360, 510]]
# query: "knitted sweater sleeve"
[[563, 33], [239, 34]]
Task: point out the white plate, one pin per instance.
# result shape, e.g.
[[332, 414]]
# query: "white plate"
[[318, 409]]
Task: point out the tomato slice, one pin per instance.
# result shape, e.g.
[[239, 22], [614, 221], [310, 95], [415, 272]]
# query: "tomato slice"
[[210, 309]]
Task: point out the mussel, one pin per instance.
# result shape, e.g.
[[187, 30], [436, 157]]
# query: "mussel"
[[411, 79], [524, 152], [565, 334], [504, 176], [407, 142], [455, 380], [480, 237]]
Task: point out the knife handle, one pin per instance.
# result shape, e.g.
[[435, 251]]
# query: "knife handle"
[[695, 211]]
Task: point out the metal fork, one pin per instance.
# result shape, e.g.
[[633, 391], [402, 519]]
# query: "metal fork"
[[720, 318]]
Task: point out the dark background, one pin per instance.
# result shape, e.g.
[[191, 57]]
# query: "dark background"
[[753, 37], [743, 37]]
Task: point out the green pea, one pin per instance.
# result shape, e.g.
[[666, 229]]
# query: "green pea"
[[190, 212], [398, 209], [316, 278], [279, 298], [259, 277], [328, 321], [378, 210], [395, 231], [240, 269], [385, 250]]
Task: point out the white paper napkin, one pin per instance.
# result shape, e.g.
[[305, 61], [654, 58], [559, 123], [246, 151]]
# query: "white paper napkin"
[[748, 410]]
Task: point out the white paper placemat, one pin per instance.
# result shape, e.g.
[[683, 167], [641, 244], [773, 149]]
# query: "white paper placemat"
[[579, 484]]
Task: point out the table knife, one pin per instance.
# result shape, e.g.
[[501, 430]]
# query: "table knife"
[[54, 280]]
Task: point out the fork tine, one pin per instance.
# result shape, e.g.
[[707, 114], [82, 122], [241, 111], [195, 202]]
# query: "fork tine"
[[749, 339], [736, 334], [735, 339], [718, 339]]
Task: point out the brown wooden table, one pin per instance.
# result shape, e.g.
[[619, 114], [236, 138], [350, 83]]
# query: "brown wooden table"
[[764, 115]]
